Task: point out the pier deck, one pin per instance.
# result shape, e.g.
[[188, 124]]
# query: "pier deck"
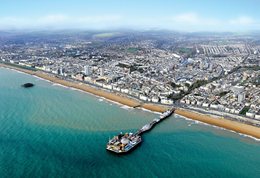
[[123, 143], [150, 125]]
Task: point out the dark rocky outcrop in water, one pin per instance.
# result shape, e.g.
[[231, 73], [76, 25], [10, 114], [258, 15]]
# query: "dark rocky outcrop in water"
[[27, 85]]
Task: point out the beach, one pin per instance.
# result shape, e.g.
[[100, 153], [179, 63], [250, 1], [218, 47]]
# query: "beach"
[[119, 98], [221, 122]]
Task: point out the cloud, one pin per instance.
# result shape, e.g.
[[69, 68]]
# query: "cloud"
[[187, 18], [60, 21], [194, 19], [53, 19], [99, 18], [244, 20], [196, 22], [185, 21], [12, 22]]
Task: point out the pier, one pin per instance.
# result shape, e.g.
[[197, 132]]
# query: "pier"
[[155, 121], [123, 143]]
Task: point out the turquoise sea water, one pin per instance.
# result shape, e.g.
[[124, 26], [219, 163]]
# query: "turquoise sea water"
[[53, 131]]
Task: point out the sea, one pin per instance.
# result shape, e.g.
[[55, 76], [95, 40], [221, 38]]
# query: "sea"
[[54, 131]]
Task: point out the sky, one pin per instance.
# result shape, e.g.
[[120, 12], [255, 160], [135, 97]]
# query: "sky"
[[180, 15]]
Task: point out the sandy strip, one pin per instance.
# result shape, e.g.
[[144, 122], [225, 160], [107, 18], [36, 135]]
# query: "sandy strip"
[[220, 122], [154, 107]]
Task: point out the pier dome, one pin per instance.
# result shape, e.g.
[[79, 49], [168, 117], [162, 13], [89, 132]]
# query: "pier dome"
[[124, 141]]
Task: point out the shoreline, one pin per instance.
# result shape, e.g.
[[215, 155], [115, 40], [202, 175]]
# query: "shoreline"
[[130, 102], [235, 126]]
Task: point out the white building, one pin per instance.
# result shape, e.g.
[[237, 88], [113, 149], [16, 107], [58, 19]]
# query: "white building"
[[166, 101], [214, 106], [87, 70], [102, 71], [61, 71], [248, 114], [142, 97], [257, 117], [205, 105], [107, 86], [241, 97], [237, 89], [124, 90], [116, 88], [155, 99]]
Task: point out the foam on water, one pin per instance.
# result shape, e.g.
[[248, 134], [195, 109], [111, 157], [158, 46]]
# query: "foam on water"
[[126, 107], [217, 127]]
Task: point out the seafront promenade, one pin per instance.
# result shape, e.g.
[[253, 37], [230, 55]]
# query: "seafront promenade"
[[209, 119]]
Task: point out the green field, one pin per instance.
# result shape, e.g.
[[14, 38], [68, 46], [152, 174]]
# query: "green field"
[[105, 35], [132, 50]]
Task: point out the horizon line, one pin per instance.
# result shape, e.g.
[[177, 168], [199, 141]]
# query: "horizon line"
[[123, 29]]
